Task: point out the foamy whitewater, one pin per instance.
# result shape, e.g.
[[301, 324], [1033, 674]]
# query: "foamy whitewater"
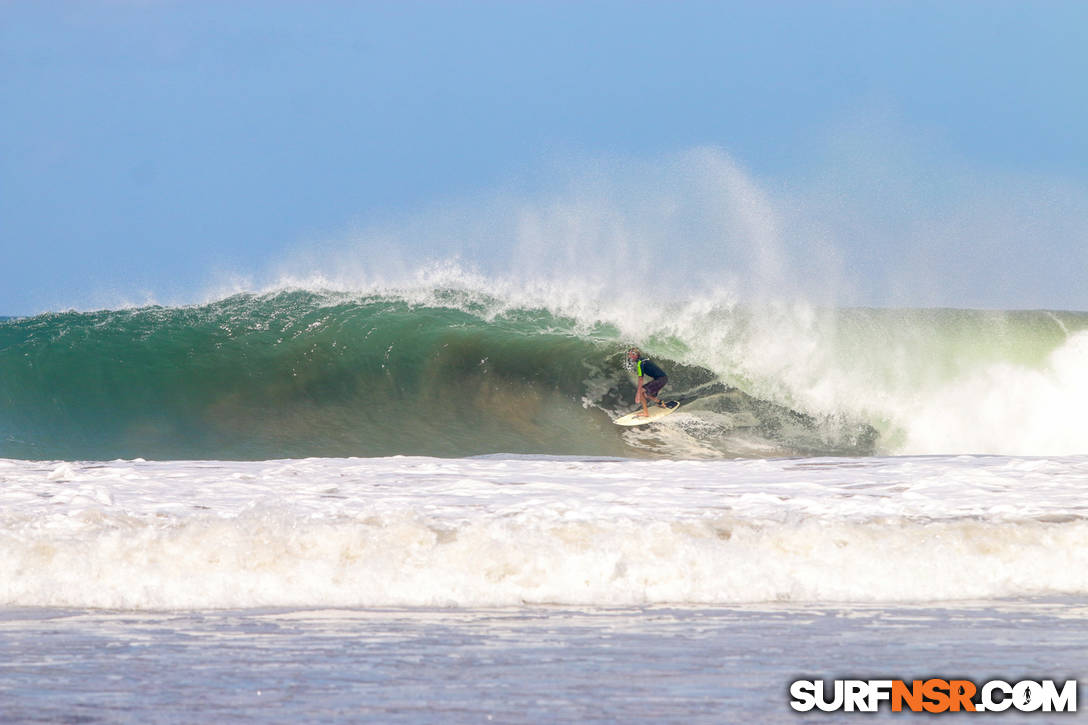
[[511, 531]]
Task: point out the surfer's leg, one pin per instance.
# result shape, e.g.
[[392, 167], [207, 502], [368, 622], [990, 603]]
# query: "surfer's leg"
[[654, 388]]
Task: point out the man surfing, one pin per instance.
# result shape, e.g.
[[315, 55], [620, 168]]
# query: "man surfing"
[[644, 367]]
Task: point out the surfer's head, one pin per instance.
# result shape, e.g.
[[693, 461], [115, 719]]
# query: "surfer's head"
[[632, 353]]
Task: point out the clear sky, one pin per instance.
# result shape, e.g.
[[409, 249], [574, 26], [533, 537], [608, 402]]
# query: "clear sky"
[[930, 153]]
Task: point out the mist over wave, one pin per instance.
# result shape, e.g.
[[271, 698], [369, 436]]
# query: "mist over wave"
[[509, 339]]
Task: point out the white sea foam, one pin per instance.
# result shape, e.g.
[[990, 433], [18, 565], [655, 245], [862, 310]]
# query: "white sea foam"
[[482, 532], [1007, 408]]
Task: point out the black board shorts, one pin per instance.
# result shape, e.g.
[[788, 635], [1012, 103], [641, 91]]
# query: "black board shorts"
[[654, 387]]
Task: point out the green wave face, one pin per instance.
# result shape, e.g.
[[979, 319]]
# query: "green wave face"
[[299, 374], [292, 375]]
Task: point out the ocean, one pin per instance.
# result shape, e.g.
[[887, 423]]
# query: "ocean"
[[410, 505]]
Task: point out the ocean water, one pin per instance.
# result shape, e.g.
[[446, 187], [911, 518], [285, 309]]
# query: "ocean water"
[[411, 505]]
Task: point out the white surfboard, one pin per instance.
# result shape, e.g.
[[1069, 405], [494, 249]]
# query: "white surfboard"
[[656, 413]]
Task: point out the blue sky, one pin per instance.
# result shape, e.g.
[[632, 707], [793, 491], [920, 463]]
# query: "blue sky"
[[927, 153]]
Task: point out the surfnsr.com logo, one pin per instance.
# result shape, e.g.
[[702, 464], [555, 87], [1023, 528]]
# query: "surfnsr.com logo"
[[933, 695]]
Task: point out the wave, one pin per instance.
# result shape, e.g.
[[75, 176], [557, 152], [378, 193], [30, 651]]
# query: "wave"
[[460, 371]]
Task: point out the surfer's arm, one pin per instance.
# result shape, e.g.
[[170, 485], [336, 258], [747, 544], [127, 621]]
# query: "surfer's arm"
[[639, 393]]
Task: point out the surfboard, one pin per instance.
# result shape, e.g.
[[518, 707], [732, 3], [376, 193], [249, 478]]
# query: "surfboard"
[[655, 413]]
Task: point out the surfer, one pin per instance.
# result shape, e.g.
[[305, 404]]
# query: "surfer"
[[644, 366]]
